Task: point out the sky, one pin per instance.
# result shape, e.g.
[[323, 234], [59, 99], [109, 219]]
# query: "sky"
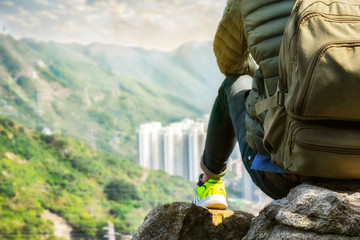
[[151, 24]]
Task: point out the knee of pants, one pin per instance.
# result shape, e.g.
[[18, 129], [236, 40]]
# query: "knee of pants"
[[233, 84]]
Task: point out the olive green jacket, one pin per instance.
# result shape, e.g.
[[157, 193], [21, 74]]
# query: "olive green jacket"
[[252, 30]]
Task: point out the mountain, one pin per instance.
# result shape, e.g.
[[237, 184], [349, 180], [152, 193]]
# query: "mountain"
[[68, 118], [58, 175], [189, 72], [100, 94]]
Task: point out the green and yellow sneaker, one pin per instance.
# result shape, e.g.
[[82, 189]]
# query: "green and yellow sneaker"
[[211, 194]]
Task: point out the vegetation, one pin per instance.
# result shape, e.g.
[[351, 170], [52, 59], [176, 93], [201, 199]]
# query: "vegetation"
[[98, 95], [84, 186], [56, 86]]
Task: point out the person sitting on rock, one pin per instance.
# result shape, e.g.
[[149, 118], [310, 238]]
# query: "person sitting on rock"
[[248, 28]]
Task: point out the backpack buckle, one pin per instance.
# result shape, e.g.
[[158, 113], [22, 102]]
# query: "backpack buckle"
[[278, 99]]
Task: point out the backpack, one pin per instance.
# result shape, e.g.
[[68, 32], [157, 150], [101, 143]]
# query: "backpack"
[[312, 126]]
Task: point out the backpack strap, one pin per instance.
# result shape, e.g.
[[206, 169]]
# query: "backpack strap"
[[267, 94], [277, 99]]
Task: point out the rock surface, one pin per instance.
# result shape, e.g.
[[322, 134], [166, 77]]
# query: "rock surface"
[[310, 212], [320, 211], [188, 221]]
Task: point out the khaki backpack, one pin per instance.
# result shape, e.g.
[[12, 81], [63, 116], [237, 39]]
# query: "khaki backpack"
[[312, 126]]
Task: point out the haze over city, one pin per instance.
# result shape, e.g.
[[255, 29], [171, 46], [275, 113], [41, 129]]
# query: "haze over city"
[[151, 24]]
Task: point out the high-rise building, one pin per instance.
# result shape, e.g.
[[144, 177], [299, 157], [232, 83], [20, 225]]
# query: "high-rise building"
[[176, 148], [196, 142], [148, 146], [237, 167]]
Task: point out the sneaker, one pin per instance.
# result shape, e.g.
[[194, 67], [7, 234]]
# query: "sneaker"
[[211, 194]]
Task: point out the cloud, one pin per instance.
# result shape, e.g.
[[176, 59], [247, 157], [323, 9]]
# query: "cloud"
[[8, 3], [160, 24], [44, 2], [23, 18], [48, 15], [164, 23]]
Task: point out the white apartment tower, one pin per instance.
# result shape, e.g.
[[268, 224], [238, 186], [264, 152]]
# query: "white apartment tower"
[[196, 144], [236, 166], [176, 148], [148, 145]]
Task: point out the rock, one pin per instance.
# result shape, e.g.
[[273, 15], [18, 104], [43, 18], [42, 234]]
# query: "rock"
[[311, 212], [322, 211], [181, 220]]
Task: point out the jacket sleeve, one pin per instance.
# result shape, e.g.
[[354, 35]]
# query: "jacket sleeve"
[[230, 46]]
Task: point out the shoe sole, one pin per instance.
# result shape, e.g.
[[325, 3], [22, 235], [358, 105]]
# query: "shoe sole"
[[215, 201]]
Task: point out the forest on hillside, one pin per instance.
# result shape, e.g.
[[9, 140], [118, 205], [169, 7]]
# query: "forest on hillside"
[[85, 187]]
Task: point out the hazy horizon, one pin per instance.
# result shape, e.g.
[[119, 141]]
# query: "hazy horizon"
[[150, 24]]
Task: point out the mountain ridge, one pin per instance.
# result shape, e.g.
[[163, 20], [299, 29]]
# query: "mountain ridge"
[[91, 91]]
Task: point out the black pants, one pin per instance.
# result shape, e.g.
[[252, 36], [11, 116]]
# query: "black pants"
[[226, 126]]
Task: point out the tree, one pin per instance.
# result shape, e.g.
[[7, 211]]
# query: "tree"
[[121, 190]]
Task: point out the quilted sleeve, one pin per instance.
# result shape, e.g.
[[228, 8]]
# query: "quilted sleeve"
[[230, 45]]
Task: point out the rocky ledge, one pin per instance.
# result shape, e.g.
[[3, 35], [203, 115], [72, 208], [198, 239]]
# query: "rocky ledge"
[[181, 220], [308, 212]]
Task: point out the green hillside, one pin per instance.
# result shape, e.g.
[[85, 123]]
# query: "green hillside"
[[86, 187], [68, 120], [66, 89]]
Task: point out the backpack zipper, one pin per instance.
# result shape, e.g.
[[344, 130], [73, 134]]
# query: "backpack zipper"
[[315, 147], [309, 15], [293, 129], [319, 148], [299, 106]]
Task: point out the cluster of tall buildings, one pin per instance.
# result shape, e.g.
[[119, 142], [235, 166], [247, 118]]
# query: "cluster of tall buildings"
[[177, 149]]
